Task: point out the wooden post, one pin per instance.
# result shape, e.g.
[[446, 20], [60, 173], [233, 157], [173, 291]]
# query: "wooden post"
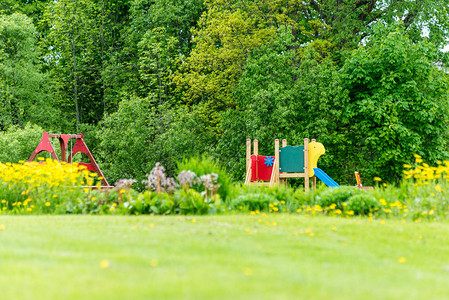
[[284, 181], [248, 152], [248, 161], [248, 174], [276, 161], [314, 177], [256, 152], [256, 147], [306, 165]]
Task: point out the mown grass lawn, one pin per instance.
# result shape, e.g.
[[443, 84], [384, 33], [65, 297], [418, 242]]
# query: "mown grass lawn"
[[221, 257]]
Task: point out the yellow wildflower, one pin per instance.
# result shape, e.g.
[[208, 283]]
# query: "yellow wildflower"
[[247, 271], [154, 263], [401, 260], [104, 264]]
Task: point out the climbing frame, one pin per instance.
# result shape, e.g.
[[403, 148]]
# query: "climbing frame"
[[288, 162]]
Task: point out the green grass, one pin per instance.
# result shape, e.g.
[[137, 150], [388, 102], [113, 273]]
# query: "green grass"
[[221, 257]]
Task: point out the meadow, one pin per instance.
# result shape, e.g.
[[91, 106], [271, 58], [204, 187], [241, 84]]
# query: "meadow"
[[202, 236], [239, 256]]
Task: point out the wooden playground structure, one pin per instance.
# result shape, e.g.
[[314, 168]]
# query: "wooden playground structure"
[[287, 162], [79, 147]]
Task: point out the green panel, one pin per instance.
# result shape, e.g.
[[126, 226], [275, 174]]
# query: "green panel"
[[291, 159]]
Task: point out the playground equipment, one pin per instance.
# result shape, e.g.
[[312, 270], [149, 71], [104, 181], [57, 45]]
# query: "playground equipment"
[[80, 146], [359, 182], [288, 162]]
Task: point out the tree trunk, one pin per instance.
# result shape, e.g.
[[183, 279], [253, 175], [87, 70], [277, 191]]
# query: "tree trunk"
[[75, 78]]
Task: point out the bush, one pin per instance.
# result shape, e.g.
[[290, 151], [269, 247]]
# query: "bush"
[[153, 134], [252, 202], [205, 165], [362, 204], [256, 198], [18, 143], [336, 196], [191, 202]]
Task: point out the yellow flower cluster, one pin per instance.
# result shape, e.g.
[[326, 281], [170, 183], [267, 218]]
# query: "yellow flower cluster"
[[50, 173], [423, 173], [29, 187]]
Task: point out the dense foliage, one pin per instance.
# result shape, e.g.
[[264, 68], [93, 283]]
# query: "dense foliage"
[[152, 81], [32, 188]]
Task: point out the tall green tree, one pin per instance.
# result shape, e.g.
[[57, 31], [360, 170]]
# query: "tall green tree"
[[229, 30], [24, 89], [174, 18], [83, 36], [347, 22], [157, 55], [288, 93], [398, 103], [141, 133]]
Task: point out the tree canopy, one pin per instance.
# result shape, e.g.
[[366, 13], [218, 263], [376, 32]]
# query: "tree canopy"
[[153, 80]]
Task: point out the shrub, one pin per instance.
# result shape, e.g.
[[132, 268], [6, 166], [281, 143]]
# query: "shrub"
[[252, 202], [256, 198], [150, 202], [362, 204], [336, 196], [18, 143], [191, 202], [203, 166]]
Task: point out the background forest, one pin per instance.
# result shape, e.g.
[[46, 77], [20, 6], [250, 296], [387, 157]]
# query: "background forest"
[[151, 81]]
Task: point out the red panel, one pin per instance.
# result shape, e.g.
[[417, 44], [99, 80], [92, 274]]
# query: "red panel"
[[80, 146], [261, 167], [44, 145], [90, 167], [65, 138]]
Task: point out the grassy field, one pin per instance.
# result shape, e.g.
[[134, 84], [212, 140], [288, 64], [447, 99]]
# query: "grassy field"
[[221, 257]]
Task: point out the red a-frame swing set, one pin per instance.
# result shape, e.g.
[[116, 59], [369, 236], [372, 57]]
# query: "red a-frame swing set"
[[80, 146]]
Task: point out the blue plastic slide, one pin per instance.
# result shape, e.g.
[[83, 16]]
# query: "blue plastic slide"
[[325, 178]]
